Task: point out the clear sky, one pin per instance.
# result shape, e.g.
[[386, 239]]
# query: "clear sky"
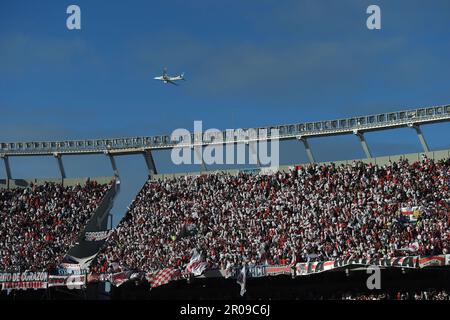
[[247, 63]]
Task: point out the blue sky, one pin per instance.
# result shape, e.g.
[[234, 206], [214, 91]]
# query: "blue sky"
[[248, 63]]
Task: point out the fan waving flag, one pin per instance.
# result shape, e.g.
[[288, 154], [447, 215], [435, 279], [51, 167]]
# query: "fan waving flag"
[[293, 260], [411, 214], [413, 247], [162, 277], [242, 280], [196, 266]]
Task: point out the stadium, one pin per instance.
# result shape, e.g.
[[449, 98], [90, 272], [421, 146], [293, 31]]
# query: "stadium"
[[321, 190], [192, 229]]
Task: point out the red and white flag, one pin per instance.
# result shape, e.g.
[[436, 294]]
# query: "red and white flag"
[[162, 277]]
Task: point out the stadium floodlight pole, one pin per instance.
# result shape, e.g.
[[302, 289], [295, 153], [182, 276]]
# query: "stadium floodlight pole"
[[113, 163], [150, 163], [364, 144], [7, 169], [307, 148], [422, 140], [61, 166]]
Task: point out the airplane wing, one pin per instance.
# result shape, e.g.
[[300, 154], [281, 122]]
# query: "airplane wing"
[[165, 72], [170, 81]]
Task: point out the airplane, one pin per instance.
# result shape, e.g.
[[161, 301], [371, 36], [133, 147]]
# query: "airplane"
[[168, 79]]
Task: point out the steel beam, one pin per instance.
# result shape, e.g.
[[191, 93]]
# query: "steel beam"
[[113, 164], [150, 162], [7, 170], [254, 153], [198, 153], [308, 149], [422, 140], [60, 165], [364, 144], [7, 167]]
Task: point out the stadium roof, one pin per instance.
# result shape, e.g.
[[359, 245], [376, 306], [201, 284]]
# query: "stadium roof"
[[132, 145], [412, 118]]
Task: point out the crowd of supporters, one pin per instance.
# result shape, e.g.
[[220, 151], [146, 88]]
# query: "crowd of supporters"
[[312, 213], [39, 224], [431, 294]]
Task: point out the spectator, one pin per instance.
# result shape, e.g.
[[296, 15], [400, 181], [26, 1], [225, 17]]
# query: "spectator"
[[40, 223], [430, 294], [312, 213]]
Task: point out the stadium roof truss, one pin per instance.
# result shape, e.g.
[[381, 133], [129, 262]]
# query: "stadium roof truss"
[[302, 131]]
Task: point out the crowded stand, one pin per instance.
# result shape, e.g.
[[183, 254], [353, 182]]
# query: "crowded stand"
[[40, 223], [431, 294], [317, 212]]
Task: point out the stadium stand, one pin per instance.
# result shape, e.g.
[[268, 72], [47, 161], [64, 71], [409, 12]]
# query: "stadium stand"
[[41, 221], [316, 212], [430, 294]]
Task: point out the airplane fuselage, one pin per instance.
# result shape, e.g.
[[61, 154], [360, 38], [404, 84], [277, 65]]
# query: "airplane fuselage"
[[168, 79]]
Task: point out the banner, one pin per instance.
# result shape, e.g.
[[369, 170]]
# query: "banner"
[[42, 280], [68, 281], [435, 261], [410, 214], [416, 262], [97, 236], [256, 271], [65, 269], [447, 260], [279, 270], [25, 280], [165, 276]]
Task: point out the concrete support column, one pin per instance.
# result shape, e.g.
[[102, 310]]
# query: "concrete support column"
[[422, 140], [364, 144], [254, 152], [60, 166], [113, 164], [150, 162], [308, 149], [198, 152], [7, 169]]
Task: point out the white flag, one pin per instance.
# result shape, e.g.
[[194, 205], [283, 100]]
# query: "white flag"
[[242, 279], [413, 247], [228, 270], [196, 266]]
